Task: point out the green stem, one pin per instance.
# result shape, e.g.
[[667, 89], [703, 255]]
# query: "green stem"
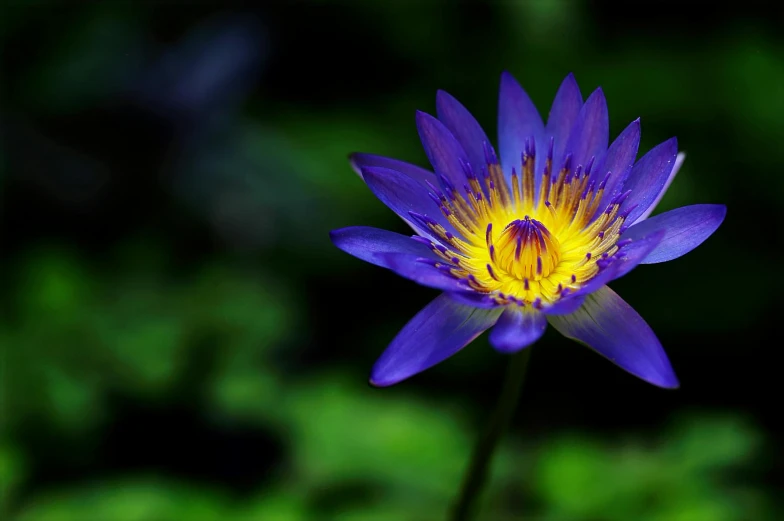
[[499, 422]]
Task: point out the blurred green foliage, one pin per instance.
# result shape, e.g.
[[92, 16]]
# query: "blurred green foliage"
[[682, 477], [228, 333], [405, 453]]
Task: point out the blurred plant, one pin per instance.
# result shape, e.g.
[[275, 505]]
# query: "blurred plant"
[[687, 473], [12, 469], [77, 335], [690, 474]]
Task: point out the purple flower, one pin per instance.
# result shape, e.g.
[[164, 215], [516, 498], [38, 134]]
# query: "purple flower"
[[528, 238]]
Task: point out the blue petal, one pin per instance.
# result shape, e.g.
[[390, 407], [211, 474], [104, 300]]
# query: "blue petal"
[[625, 260], [563, 115], [679, 159], [590, 133], [443, 150], [360, 160], [683, 230], [459, 121], [648, 177], [612, 328], [437, 332], [518, 120], [517, 328], [402, 195], [475, 299], [618, 161], [366, 242], [632, 255], [420, 270], [565, 306]]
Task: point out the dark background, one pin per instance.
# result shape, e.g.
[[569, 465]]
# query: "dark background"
[[180, 340]]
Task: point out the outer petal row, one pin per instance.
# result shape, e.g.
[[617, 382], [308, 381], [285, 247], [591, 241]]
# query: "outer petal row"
[[604, 323]]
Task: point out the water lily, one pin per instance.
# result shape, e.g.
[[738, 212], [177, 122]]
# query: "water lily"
[[529, 236]]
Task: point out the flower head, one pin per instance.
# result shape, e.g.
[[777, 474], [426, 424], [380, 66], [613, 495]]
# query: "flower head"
[[530, 237]]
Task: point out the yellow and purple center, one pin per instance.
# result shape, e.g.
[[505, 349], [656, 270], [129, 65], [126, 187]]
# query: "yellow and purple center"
[[526, 242]]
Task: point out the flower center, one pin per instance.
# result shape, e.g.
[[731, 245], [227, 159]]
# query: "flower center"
[[526, 250], [562, 228]]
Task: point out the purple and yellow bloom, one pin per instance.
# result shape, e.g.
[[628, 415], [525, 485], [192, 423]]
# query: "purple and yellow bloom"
[[529, 236]]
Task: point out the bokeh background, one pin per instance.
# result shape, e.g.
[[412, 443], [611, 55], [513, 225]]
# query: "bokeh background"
[[180, 340]]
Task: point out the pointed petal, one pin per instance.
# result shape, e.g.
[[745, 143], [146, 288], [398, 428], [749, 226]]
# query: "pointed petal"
[[459, 121], [443, 150], [625, 260], [648, 176], [516, 329], [359, 160], [402, 195], [683, 230], [421, 271], [679, 159], [618, 161], [591, 132], [563, 115], [366, 243], [612, 328], [437, 332], [518, 120]]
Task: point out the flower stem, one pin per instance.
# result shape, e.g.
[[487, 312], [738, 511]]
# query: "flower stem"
[[474, 478]]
